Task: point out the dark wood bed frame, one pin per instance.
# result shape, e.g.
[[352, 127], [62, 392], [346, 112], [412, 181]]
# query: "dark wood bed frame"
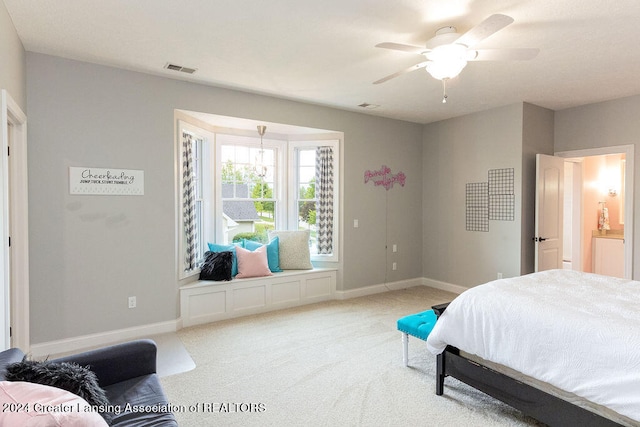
[[542, 406]]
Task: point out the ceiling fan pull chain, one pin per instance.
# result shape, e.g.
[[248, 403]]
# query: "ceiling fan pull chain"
[[444, 91]]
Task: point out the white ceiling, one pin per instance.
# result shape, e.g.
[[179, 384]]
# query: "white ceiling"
[[324, 51]]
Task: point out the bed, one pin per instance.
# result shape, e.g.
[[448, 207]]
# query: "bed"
[[562, 346]]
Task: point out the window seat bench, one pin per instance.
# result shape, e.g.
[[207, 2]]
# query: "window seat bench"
[[208, 301]]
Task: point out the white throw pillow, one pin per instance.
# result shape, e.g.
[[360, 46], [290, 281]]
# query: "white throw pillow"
[[294, 249]]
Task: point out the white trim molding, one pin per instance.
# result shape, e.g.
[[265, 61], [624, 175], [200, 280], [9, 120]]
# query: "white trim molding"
[[378, 289], [84, 342], [15, 223], [232, 305], [456, 289]]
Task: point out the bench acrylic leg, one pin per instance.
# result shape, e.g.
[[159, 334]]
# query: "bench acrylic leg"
[[405, 349]]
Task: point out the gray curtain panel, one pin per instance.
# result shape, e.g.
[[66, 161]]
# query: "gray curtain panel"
[[189, 203], [324, 195]]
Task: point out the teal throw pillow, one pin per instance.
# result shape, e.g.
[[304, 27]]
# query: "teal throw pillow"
[[273, 252], [213, 247]]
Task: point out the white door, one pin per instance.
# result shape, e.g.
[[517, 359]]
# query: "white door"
[[549, 203]]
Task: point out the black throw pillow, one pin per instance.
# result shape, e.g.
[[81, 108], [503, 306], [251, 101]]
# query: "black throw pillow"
[[64, 375], [217, 266]]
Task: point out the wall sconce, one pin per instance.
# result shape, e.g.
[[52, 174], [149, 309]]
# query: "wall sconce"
[[609, 181]]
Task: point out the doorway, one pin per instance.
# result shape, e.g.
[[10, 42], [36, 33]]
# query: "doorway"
[[14, 239], [596, 179]]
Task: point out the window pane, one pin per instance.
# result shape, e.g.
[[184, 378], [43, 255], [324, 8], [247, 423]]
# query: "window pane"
[[307, 174], [248, 202], [307, 157], [197, 186], [199, 224], [307, 221], [242, 155], [247, 220], [306, 194], [227, 153]]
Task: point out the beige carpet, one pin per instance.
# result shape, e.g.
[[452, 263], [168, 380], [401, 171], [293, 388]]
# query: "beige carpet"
[[330, 364]]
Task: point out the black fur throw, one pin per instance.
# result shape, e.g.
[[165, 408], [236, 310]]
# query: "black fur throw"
[[217, 266], [65, 375]]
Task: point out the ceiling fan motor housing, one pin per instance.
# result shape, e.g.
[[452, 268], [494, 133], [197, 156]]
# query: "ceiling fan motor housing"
[[445, 35]]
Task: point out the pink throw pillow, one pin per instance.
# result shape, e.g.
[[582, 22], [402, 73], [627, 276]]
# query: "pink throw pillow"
[[252, 264], [29, 404]]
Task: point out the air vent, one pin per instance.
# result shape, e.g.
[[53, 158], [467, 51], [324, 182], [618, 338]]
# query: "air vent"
[[180, 68]]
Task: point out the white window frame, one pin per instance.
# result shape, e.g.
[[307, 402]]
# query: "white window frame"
[[293, 185], [279, 181], [204, 178]]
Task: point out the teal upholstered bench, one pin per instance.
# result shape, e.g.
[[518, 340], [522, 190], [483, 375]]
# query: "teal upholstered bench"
[[418, 325]]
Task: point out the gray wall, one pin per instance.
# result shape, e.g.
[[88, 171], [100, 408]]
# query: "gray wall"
[[460, 151], [89, 253], [604, 124], [12, 70], [537, 138]]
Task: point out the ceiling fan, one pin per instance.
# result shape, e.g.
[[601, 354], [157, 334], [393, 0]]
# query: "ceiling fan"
[[448, 52]]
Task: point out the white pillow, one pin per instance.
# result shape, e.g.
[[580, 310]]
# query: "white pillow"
[[34, 405], [294, 249]]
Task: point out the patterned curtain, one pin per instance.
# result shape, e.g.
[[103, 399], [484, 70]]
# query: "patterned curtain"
[[324, 196], [189, 203]]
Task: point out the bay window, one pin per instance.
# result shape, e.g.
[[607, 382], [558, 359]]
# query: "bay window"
[[235, 186]]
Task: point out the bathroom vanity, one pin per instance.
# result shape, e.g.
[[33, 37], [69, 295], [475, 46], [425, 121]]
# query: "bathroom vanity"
[[608, 253]]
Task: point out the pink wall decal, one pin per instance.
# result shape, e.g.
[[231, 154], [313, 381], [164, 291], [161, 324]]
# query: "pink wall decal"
[[383, 177]]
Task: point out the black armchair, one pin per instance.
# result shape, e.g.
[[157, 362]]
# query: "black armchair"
[[127, 373]]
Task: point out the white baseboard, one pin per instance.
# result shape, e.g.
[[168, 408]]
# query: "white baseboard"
[[456, 289], [85, 342], [81, 343], [377, 289]]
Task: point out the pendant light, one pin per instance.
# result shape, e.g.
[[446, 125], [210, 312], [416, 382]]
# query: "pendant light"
[[261, 167]]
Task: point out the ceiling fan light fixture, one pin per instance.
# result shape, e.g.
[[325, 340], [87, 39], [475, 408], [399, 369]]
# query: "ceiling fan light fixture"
[[446, 61]]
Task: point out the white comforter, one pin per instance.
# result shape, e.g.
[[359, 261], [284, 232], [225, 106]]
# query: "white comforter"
[[577, 331]]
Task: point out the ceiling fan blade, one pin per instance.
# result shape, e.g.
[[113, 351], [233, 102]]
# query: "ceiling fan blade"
[[399, 73], [489, 26], [517, 54], [402, 47]]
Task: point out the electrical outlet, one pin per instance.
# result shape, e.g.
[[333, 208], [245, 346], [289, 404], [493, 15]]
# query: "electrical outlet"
[[394, 266], [355, 223], [132, 302], [499, 275], [394, 248]]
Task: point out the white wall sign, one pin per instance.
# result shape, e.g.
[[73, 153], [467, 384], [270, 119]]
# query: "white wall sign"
[[108, 182]]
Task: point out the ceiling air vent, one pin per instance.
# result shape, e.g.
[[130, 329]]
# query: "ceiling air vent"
[[368, 106], [180, 68]]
